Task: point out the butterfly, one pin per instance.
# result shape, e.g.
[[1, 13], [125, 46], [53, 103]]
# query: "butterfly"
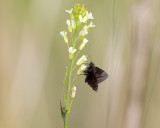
[[94, 76]]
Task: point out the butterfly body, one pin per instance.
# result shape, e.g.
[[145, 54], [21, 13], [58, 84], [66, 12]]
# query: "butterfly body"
[[94, 76]]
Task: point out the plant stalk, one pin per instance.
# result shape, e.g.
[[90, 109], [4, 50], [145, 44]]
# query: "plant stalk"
[[69, 82], [68, 93]]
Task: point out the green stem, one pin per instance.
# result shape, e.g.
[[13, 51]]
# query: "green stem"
[[71, 38], [73, 81], [76, 55], [69, 81], [64, 85], [68, 93]]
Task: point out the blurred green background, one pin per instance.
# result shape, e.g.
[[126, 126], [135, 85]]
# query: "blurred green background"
[[33, 56]]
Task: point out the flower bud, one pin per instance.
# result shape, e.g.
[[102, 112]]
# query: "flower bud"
[[69, 25], [89, 15], [83, 44], [81, 60], [81, 69], [73, 24], [64, 35], [82, 19], [71, 51], [83, 33], [73, 92], [70, 13], [91, 25]]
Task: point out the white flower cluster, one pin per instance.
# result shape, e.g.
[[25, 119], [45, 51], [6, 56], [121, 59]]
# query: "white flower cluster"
[[78, 26], [79, 16], [85, 29], [87, 17]]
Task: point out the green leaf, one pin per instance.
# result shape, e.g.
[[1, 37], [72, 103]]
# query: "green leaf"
[[63, 111]]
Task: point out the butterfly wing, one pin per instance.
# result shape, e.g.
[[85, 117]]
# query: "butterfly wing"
[[100, 74], [92, 81]]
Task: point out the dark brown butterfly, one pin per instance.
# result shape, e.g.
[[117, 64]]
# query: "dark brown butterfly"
[[94, 76]]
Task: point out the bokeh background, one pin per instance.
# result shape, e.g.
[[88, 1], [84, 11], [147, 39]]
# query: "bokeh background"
[[33, 56]]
